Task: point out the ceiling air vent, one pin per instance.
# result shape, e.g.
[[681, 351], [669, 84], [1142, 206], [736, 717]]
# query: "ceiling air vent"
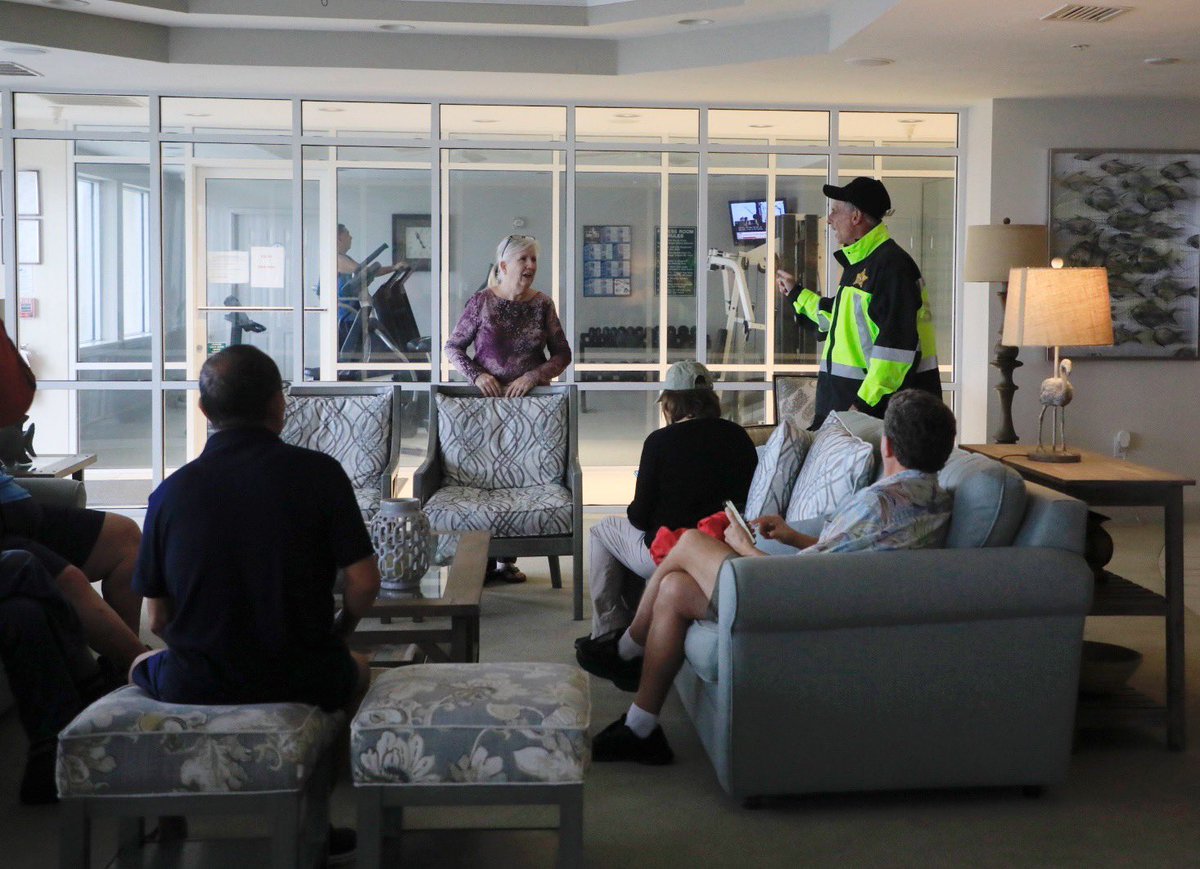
[[1090, 14], [9, 68]]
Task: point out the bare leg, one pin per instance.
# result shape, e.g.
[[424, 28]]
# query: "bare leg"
[[697, 555], [102, 627], [111, 564], [680, 601]]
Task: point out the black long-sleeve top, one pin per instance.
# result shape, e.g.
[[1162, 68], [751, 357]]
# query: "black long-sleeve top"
[[688, 470]]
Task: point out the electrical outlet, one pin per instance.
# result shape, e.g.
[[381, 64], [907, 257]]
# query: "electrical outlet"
[[1121, 444]]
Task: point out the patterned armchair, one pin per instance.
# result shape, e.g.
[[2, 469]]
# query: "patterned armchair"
[[358, 427], [509, 466]]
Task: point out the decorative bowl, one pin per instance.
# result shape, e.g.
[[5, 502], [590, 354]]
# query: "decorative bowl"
[[1105, 667]]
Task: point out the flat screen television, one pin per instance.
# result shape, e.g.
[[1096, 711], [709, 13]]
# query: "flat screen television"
[[748, 217]]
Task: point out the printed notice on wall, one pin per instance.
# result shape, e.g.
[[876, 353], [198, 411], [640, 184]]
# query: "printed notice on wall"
[[228, 267], [266, 267]]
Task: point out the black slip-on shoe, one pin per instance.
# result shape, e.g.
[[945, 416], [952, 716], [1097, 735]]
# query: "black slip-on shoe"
[[617, 742], [591, 644], [607, 664], [343, 845]]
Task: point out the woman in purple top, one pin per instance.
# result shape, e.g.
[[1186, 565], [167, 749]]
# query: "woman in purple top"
[[512, 326], [519, 341]]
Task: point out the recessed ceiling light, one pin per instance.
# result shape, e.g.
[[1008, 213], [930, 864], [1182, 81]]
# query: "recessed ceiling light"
[[197, 114], [396, 28], [695, 22], [626, 115], [25, 49], [1160, 61], [912, 120], [870, 61], [761, 126], [330, 109], [68, 4], [485, 120]]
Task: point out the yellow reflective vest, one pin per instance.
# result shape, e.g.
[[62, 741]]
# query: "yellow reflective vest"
[[878, 328]]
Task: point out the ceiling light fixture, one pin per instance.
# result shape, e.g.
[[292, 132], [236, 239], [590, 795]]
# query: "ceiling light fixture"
[[396, 28], [330, 109], [1160, 61], [695, 22], [626, 115], [486, 121], [761, 126], [25, 49], [869, 61], [68, 4], [197, 114]]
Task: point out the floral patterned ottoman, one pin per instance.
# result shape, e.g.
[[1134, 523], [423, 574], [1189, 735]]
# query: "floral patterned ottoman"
[[131, 756], [443, 734]]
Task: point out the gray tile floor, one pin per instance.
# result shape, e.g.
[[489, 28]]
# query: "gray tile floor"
[[1127, 802]]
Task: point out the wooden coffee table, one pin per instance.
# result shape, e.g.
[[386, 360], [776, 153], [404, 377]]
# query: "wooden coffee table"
[[448, 591]]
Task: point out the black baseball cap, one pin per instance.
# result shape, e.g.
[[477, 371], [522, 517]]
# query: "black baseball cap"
[[866, 194]]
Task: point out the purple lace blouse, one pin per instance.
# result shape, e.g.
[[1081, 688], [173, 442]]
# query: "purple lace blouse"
[[510, 338]]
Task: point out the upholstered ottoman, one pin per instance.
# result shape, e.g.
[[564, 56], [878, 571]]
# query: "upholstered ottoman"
[[130, 756], [447, 734]]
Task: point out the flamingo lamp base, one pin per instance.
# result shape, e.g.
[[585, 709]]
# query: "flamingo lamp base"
[[1062, 456]]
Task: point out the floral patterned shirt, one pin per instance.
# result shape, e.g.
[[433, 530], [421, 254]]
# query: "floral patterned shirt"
[[908, 510], [510, 338]]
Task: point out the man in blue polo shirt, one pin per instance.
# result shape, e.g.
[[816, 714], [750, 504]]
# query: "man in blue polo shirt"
[[239, 554]]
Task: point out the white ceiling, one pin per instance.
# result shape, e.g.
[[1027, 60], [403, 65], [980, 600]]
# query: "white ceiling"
[[768, 52]]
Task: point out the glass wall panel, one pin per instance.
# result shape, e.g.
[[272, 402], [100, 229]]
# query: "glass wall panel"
[[518, 123], [640, 125], [355, 211], [744, 406], [482, 206], [898, 129], [205, 115], [377, 120], [112, 423], [615, 424], [761, 127], [112, 264], [79, 112], [227, 235]]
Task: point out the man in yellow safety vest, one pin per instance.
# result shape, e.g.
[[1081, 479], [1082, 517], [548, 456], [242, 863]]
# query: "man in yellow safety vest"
[[878, 327]]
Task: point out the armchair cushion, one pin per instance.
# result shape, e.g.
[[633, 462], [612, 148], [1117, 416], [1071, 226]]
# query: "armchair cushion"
[[354, 429], [532, 511], [503, 443], [779, 464], [838, 465]]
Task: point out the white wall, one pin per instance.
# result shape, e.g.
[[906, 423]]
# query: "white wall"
[[1155, 400]]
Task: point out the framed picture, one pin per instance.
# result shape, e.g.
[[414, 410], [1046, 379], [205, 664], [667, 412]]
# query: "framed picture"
[[29, 193], [1136, 214], [606, 260], [29, 241], [412, 240], [681, 260], [795, 398]]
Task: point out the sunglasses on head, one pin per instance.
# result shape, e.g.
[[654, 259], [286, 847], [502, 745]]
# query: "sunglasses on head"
[[508, 241]]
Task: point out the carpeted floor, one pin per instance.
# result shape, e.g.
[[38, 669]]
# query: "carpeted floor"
[[1127, 802]]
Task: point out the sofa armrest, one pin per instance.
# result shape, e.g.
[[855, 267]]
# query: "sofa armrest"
[[58, 492], [874, 589], [1052, 519], [427, 479]]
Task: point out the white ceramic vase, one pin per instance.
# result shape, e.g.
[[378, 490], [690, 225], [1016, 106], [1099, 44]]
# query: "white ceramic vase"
[[402, 540]]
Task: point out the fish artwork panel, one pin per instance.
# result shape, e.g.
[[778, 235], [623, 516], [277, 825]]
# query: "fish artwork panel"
[[1136, 214]]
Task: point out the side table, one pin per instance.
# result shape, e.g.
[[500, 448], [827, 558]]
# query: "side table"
[[1103, 481], [54, 466]]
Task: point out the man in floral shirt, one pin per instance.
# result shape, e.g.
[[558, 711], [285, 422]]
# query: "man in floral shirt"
[[905, 509]]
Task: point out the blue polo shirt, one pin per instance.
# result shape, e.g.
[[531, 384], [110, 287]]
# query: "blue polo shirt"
[[246, 541]]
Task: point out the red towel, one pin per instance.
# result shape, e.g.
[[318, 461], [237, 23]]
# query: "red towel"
[[664, 541]]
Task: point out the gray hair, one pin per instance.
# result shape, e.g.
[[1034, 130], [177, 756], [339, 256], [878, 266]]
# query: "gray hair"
[[509, 248]]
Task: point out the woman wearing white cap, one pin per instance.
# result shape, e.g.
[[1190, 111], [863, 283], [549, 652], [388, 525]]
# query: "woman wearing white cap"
[[687, 471]]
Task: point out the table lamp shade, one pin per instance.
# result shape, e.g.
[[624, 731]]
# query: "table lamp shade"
[[993, 250], [1058, 308]]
